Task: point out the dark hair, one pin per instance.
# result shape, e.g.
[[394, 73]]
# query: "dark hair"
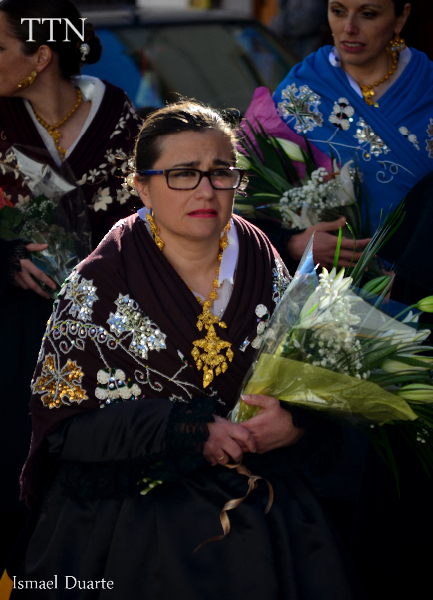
[[179, 117], [68, 52]]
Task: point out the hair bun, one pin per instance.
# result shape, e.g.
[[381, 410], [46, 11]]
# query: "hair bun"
[[94, 43]]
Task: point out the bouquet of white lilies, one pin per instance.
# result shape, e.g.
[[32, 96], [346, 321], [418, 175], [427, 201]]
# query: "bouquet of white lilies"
[[334, 348]]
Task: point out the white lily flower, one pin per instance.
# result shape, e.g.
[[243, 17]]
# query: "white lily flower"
[[346, 193], [411, 317]]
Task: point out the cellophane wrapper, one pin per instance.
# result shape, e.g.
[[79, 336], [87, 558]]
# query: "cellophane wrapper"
[[331, 377]]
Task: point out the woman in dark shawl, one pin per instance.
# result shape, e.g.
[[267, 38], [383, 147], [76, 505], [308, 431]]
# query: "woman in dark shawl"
[[86, 124], [142, 359]]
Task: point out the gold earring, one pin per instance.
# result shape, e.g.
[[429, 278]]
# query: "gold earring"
[[28, 80], [154, 230], [397, 44]]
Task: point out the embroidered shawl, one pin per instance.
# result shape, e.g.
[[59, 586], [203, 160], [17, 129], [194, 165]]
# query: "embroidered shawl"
[[123, 328], [393, 144], [93, 161]]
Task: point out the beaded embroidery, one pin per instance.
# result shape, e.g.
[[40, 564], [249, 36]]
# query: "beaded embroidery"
[[342, 114], [263, 315], [365, 135], [130, 318], [410, 136], [82, 292], [59, 386], [301, 105], [279, 282], [113, 387]]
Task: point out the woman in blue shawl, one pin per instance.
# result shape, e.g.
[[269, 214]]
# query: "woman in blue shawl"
[[357, 101], [369, 98]]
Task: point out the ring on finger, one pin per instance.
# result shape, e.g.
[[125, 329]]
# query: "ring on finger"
[[222, 458]]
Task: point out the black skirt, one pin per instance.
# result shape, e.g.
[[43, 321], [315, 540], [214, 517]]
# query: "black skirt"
[[144, 546]]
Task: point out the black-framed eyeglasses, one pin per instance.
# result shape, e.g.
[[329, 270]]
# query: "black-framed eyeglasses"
[[226, 178]]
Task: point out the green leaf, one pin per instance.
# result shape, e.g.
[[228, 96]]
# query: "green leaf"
[[337, 249]]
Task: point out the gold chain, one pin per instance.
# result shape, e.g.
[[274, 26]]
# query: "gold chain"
[[394, 48], [53, 130], [210, 360]]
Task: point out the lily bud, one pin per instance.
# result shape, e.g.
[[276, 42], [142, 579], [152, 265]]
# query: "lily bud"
[[396, 366], [416, 392], [426, 304], [242, 162], [292, 150]]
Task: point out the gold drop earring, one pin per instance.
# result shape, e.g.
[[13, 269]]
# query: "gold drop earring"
[[154, 230], [28, 80]]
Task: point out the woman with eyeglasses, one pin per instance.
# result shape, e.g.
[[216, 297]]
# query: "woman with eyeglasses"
[[132, 461]]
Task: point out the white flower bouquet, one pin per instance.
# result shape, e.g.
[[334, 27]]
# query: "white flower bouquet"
[[334, 348], [42, 206], [286, 184]]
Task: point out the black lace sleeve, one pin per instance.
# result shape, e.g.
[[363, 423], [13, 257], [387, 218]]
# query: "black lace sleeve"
[[107, 453]]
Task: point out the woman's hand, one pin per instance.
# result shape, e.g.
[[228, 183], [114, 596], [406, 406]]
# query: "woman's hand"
[[24, 277], [227, 442], [325, 244], [272, 427]]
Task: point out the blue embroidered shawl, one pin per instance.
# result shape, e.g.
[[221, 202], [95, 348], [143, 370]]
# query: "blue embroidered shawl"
[[393, 143]]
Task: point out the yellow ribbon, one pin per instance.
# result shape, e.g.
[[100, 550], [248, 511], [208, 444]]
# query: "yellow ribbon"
[[231, 504]]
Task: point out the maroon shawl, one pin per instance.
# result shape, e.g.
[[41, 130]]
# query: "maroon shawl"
[[113, 130], [126, 287]]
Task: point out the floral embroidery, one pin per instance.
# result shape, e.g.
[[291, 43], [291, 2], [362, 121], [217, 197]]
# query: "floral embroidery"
[[128, 113], [410, 136], [101, 199], [67, 335], [263, 315], [279, 282], [59, 386], [429, 144], [123, 195], [112, 387], [365, 135], [82, 292], [342, 114], [130, 318], [129, 122], [301, 105]]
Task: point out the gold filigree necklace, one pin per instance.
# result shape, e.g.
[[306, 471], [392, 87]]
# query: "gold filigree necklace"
[[53, 130], [210, 359]]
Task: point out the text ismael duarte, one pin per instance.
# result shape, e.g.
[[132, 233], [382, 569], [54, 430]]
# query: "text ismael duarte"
[[70, 583]]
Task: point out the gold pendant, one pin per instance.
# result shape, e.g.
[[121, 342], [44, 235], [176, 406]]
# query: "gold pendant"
[[211, 345], [368, 94]]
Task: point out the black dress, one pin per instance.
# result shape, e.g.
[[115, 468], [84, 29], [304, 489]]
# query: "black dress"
[[91, 523]]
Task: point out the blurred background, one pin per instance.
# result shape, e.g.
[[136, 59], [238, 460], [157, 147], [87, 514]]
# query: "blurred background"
[[217, 51]]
